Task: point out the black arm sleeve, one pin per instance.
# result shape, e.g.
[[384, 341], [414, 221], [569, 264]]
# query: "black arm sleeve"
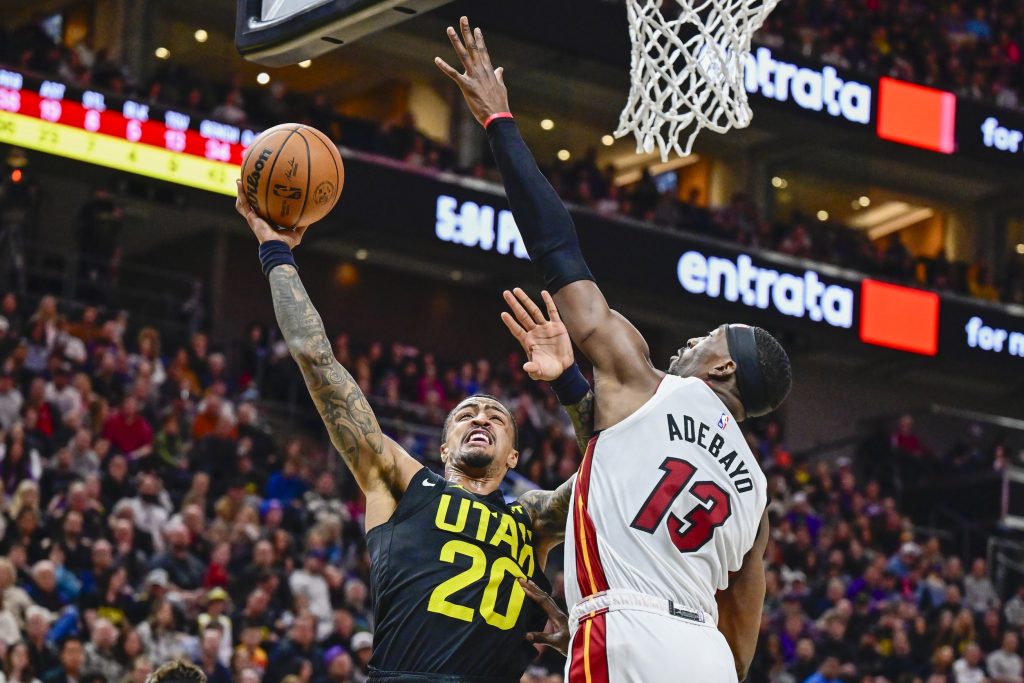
[[543, 220]]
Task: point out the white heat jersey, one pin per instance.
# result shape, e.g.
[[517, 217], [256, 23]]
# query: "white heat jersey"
[[666, 503]]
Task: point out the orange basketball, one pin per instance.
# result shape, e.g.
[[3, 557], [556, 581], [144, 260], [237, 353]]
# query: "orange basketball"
[[292, 175]]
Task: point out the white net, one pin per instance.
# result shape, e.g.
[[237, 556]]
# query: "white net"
[[687, 71]]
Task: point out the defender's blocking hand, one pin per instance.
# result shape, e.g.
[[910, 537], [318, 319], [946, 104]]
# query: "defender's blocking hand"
[[545, 341], [482, 85]]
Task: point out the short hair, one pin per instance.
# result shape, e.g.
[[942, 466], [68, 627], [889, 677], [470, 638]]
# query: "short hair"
[[451, 415], [775, 366], [177, 671]]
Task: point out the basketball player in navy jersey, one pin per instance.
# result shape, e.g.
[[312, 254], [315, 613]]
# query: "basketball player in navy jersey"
[[669, 522], [451, 561]]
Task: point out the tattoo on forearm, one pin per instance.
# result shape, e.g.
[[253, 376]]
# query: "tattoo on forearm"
[[582, 416], [346, 413], [549, 510]]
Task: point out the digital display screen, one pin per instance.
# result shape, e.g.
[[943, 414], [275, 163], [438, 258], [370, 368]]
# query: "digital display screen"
[[50, 117]]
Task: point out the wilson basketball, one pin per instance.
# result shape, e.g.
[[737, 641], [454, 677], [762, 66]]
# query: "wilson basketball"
[[292, 175]]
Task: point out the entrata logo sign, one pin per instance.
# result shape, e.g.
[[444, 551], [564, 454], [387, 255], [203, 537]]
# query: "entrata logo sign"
[[811, 89], [740, 281]]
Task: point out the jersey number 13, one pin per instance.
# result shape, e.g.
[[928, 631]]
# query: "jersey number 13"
[[698, 525]]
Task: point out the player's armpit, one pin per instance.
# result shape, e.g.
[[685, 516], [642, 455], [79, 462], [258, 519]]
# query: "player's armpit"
[[549, 511], [380, 466], [740, 605]]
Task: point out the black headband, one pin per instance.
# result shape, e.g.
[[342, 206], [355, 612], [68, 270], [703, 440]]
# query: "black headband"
[[743, 349]]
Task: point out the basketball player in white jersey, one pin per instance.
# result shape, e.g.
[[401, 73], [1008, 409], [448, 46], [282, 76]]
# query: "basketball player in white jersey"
[[666, 539]]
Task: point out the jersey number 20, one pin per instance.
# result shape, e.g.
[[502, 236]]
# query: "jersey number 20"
[[696, 528]]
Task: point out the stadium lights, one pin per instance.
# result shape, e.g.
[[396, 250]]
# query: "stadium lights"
[[547, 124], [162, 53], [607, 141], [305, 64], [823, 215], [201, 35], [564, 155], [263, 78]]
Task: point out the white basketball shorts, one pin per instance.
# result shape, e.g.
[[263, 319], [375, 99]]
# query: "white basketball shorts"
[[624, 637]]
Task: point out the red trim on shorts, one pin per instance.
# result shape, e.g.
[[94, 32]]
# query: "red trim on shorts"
[[589, 572], [589, 656]]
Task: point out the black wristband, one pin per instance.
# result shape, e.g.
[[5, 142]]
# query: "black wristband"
[[571, 386], [275, 253]]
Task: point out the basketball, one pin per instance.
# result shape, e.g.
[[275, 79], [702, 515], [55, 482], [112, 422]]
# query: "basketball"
[[292, 175]]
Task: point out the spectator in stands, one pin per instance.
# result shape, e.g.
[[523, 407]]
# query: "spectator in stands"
[[296, 651], [1004, 665], [979, 593], [968, 669], [100, 655], [182, 567], [209, 654], [72, 659], [1014, 610], [231, 110]]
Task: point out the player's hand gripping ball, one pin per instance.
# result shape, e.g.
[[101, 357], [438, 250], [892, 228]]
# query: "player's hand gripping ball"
[[292, 175]]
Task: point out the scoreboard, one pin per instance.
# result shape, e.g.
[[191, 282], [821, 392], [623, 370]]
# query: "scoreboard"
[[120, 133]]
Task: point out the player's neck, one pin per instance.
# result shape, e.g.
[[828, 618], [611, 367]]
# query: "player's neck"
[[731, 401], [480, 484]]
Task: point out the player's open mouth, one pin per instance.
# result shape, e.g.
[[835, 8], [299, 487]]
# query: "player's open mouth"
[[478, 437]]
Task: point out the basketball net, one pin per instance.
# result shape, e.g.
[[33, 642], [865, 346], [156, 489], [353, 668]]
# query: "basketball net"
[[682, 85]]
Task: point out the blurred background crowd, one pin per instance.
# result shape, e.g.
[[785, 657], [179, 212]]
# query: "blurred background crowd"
[[155, 506]]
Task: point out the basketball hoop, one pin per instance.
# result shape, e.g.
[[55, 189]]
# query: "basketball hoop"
[[687, 72]]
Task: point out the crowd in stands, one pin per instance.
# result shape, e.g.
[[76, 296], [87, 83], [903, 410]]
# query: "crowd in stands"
[[970, 47], [149, 511], [898, 38]]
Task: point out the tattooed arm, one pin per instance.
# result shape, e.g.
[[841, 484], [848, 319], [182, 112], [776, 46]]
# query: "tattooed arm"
[[582, 416], [550, 509], [380, 466]]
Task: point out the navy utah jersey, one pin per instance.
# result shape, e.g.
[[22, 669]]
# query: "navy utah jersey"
[[446, 599]]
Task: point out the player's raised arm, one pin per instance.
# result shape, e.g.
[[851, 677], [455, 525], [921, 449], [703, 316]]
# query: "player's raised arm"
[[380, 466], [550, 359], [617, 350], [740, 605]]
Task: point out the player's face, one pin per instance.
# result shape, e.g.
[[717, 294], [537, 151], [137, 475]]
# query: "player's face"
[[701, 356], [481, 434]]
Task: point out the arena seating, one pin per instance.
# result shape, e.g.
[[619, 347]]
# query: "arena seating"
[[146, 496]]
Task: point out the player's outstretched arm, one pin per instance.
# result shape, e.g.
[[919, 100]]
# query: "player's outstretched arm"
[[740, 605], [380, 466], [617, 350], [550, 359]]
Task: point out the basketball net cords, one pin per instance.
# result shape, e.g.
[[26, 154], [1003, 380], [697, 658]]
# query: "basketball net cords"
[[681, 86]]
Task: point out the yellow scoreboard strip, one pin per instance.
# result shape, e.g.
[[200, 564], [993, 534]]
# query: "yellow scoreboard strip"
[[106, 150]]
